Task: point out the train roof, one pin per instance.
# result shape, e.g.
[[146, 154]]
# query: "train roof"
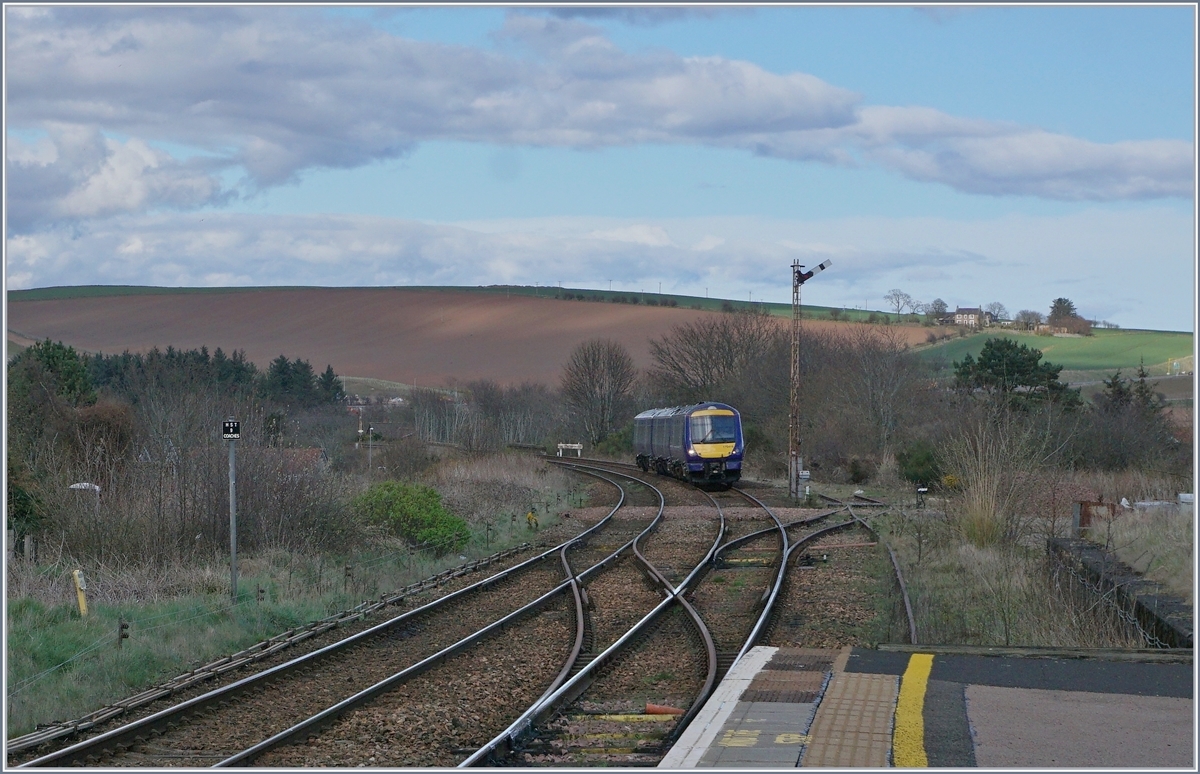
[[685, 410]]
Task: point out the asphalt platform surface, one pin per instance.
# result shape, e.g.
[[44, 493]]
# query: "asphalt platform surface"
[[933, 710]]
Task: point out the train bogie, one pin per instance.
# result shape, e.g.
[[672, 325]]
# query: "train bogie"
[[702, 444]]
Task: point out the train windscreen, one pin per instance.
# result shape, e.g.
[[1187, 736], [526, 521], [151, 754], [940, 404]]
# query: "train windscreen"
[[714, 429]]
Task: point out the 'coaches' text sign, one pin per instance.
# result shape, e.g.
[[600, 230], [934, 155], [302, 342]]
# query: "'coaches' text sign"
[[231, 431]]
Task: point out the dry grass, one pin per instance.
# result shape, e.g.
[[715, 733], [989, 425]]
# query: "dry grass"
[[495, 488], [186, 602], [994, 461], [1157, 542], [1001, 594], [977, 568]]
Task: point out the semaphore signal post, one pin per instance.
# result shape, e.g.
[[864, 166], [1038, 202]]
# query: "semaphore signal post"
[[795, 462]]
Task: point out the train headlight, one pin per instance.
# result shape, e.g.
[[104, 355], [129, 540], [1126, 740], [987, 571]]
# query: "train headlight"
[[691, 452]]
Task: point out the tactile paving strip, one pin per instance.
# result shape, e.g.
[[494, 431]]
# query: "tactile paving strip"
[[852, 727], [794, 659], [791, 687]]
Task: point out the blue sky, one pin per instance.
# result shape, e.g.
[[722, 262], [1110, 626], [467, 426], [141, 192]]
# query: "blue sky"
[[973, 154]]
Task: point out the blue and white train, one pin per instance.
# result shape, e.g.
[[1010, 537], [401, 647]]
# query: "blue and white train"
[[702, 444]]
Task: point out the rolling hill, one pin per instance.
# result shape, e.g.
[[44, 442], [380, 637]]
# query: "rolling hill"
[[423, 336]]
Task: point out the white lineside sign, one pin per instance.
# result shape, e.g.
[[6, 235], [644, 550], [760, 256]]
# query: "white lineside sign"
[[577, 447]]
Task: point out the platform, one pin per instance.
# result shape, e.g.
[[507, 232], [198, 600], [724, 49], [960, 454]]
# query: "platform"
[[862, 708]]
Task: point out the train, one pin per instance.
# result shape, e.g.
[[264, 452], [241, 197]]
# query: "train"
[[701, 444]]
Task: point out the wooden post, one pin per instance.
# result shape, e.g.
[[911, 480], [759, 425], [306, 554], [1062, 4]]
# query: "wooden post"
[[80, 588], [30, 550]]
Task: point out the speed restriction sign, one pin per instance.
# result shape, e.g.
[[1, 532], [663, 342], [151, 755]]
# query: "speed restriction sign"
[[231, 430]]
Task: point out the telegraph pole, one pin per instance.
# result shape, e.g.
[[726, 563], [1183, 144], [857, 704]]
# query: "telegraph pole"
[[795, 461]]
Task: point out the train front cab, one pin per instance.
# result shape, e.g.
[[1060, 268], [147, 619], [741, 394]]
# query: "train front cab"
[[713, 445]]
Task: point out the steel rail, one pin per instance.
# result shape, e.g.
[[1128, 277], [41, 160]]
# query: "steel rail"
[[330, 714], [565, 694], [772, 593], [250, 655], [131, 733], [764, 532], [579, 599], [908, 611], [577, 685]]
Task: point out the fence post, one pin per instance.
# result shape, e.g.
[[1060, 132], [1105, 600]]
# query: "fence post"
[[122, 631], [30, 550], [80, 588], [10, 545]]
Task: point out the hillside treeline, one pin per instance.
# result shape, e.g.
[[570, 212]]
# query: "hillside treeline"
[[119, 457], [866, 401], [143, 430], [869, 406]]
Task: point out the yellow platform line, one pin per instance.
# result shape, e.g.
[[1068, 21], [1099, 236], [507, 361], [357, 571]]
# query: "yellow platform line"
[[908, 739]]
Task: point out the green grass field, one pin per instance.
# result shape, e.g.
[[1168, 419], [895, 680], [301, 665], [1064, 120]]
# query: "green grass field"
[[1097, 355]]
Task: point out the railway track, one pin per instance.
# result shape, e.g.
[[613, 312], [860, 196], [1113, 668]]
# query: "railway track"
[[631, 701], [206, 728], [631, 601], [455, 687]]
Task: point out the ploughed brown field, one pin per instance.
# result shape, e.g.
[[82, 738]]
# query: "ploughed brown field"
[[424, 337]]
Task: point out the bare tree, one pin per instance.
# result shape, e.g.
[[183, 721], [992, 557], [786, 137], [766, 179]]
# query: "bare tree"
[[880, 377], [997, 310], [898, 299], [695, 360], [1028, 318], [596, 381]]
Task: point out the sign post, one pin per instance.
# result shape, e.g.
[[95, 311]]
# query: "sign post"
[[231, 430]]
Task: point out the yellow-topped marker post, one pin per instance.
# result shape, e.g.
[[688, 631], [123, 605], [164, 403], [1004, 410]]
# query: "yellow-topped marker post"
[[80, 589]]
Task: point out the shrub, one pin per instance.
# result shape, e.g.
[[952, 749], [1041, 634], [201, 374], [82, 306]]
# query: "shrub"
[[918, 464], [860, 471], [618, 444], [413, 512]]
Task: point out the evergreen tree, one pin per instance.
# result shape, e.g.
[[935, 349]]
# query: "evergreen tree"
[[64, 371], [1117, 396], [1062, 310], [330, 386], [1014, 372], [277, 383]]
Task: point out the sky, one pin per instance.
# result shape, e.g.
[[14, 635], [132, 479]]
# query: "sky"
[[975, 154]]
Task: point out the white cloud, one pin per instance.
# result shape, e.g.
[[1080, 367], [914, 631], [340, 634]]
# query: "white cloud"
[[1021, 261], [274, 91], [76, 173], [639, 234]]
